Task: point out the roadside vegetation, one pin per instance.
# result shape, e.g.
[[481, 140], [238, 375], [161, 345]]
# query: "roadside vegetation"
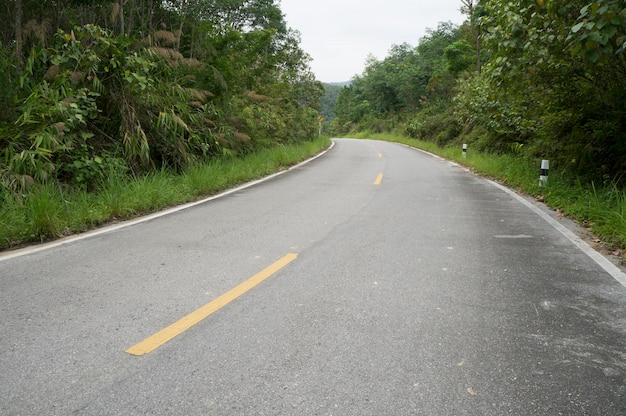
[[51, 210], [519, 81], [112, 108]]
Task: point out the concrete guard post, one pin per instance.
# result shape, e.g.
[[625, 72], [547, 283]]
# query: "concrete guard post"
[[543, 175]]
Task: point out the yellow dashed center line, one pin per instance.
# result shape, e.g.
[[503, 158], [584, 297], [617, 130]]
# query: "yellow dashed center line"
[[379, 179], [155, 341]]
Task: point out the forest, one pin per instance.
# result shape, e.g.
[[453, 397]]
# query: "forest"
[[94, 88], [535, 78]]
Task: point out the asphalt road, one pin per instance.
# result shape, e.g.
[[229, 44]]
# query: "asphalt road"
[[417, 289]]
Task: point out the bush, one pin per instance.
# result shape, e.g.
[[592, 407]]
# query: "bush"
[[439, 127]]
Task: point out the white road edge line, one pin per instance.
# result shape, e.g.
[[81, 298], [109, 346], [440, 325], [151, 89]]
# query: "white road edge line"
[[602, 261], [46, 246]]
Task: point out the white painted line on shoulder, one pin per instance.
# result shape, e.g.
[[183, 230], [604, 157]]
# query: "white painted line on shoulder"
[[602, 261], [34, 249]]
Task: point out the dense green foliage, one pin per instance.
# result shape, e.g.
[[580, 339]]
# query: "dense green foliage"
[[97, 88], [534, 78]]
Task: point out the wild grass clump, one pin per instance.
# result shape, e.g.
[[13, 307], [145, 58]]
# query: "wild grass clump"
[[599, 207], [46, 209]]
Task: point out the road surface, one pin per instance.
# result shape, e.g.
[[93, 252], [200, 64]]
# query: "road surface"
[[373, 280]]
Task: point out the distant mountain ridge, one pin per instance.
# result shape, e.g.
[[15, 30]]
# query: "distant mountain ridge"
[[339, 84]]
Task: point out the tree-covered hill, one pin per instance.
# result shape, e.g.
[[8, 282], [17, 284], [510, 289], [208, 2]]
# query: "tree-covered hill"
[[327, 105]]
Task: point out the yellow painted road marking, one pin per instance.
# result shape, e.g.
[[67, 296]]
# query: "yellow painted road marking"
[[380, 155], [379, 179], [155, 341]]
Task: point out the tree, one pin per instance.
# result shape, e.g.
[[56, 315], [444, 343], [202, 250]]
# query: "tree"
[[473, 10], [401, 84], [459, 57], [555, 81], [18, 34]]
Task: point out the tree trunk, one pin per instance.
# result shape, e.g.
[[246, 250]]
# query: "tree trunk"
[[122, 18], [478, 48], [469, 9], [18, 35], [183, 13]]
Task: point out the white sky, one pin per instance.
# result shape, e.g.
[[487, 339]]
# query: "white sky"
[[340, 34]]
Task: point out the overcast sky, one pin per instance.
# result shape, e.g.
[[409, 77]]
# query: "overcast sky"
[[340, 34]]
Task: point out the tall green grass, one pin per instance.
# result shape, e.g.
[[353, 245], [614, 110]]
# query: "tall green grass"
[[52, 211]]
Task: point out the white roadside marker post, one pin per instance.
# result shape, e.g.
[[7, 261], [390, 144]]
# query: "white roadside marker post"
[[543, 176], [464, 150]]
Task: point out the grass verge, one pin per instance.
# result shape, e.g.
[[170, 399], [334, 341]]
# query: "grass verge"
[[50, 211]]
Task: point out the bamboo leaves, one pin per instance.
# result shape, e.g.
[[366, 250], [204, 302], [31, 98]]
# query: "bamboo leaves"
[[153, 94]]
